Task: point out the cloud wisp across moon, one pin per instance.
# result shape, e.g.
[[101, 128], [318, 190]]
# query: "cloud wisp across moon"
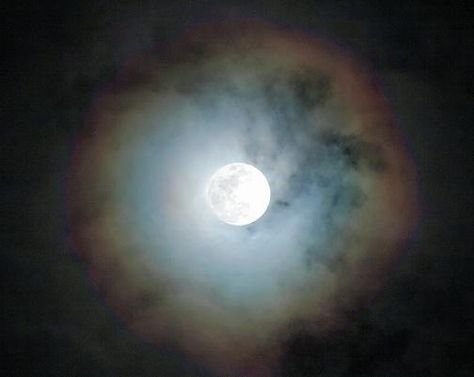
[[343, 193]]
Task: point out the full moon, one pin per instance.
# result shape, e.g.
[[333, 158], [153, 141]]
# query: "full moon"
[[238, 193]]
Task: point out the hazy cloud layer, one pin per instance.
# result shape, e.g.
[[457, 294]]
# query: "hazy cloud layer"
[[312, 121]]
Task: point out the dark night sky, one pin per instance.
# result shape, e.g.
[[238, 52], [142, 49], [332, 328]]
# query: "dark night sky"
[[57, 55]]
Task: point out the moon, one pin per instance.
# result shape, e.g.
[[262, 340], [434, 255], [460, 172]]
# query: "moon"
[[238, 193]]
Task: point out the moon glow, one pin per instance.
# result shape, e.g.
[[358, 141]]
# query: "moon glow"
[[238, 194], [159, 165]]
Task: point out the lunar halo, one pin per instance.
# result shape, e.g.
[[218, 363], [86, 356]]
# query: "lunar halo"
[[343, 193]]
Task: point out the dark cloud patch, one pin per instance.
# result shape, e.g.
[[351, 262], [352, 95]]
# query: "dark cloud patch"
[[292, 95], [283, 109], [282, 203], [342, 202], [347, 197], [356, 152], [311, 89]]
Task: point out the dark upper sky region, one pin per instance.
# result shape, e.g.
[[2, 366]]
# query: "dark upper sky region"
[[58, 57]]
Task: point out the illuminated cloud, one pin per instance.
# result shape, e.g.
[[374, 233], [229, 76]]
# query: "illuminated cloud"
[[307, 115]]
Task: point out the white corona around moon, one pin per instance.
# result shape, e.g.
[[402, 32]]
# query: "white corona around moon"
[[238, 193]]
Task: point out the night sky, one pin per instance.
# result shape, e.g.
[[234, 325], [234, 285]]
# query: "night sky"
[[71, 308]]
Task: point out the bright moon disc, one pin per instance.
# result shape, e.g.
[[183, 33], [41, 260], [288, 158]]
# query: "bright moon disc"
[[238, 193]]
